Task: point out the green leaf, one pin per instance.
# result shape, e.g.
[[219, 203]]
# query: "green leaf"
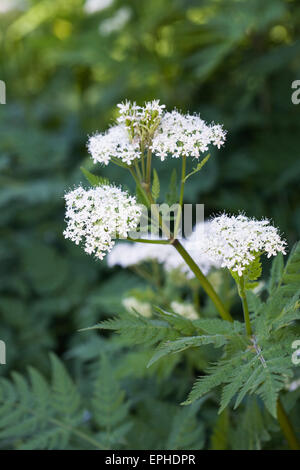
[[155, 185], [291, 273], [110, 410], [254, 426], [95, 180], [186, 430], [252, 273], [140, 196], [203, 385], [34, 415], [182, 344], [136, 329], [220, 436], [276, 273]]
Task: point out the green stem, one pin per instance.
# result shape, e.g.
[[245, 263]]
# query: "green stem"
[[183, 169], [287, 427], [138, 170], [148, 174], [145, 240], [148, 197], [179, 215], [143, 161], [242, 294], [139, 184], [203, 281], [163, 226]]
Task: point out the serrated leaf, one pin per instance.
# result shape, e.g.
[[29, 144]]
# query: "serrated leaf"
[[94, 180], [220, 436], [155, 186], [276, 273], [140, 197], [182, 344]]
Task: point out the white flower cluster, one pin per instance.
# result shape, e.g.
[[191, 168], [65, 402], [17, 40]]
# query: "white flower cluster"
[[133, 305], [124, 139], [130, 254], [184, 309], [114, 143], [166, 134], [188, 135], [235, 241], [96, 216], [132, 114]]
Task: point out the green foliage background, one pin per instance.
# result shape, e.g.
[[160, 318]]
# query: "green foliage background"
[[233, 61]]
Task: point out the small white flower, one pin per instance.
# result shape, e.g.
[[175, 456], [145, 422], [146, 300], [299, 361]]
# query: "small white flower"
[[188, 135], [186, 310], [133, 305], [99, 215], [236, 241], [131, 113]]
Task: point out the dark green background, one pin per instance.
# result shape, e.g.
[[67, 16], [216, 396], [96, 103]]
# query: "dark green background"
[[232, 61]]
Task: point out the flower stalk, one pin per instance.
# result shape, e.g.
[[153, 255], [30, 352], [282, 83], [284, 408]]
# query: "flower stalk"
[[242, 294], [287, 427], [179, 214], [206, 285]]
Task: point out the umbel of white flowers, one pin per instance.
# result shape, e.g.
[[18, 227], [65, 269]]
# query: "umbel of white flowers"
[[99, 215], [164, 133], [237, 240]]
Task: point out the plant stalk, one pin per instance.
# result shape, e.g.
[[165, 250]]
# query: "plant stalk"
[[203, 281], [287, 427], [242, 294], [179, 215], [148, 171]]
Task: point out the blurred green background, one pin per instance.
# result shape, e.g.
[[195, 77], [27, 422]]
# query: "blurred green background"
[[66, 64]]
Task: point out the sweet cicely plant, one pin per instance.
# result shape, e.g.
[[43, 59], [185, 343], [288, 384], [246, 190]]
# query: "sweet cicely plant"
[[255, 354]]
